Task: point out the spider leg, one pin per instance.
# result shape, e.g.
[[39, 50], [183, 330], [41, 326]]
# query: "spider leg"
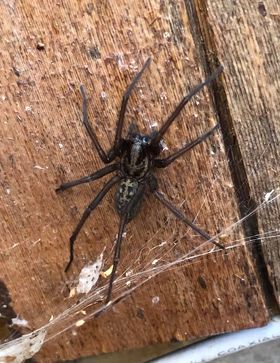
[[117, 253], [124, 220], [182, 218], [89, 178], [125, 99], [86, 214], [156, 139], [103, 156], [162, 163], [110, 156]]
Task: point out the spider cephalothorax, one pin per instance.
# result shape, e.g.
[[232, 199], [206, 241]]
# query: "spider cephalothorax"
[[137, 158]]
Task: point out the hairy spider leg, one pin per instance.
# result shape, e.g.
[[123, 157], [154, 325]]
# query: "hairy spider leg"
[[110, 156], [86, 214], [117, 254], [124, 104], [162, 163], [103, 156], [123, 221], [89, 178], [158, 136], [182, 218]]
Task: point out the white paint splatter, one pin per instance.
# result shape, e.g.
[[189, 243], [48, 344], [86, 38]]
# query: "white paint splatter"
[[28, 109], [155, 300], [103, 95]]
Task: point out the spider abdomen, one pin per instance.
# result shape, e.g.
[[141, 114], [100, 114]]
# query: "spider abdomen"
[[126, 191]]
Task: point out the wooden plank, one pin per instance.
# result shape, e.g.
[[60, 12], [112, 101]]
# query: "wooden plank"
[[46, 53], [250, 53]]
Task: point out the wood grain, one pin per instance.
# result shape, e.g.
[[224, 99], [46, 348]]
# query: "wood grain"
[[46, 53], [250, 53]]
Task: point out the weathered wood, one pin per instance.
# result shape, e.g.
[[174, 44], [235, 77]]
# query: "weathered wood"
[[46, 53], [250, 52]]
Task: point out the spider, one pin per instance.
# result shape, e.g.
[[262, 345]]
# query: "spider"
[[137, 157]]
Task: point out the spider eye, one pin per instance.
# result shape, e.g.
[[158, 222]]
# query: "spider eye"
[[145, 139]]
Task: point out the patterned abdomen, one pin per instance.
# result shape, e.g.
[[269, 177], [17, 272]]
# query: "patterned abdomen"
[[126, 191]]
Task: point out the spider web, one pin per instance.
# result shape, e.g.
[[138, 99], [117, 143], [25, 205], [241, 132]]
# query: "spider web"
[[156, 256], [77, 314]]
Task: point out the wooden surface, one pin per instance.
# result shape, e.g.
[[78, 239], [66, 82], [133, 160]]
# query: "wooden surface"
[[252, 58], [46, 53]]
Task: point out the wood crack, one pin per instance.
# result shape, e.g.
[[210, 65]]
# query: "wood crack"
[[204, 39]]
